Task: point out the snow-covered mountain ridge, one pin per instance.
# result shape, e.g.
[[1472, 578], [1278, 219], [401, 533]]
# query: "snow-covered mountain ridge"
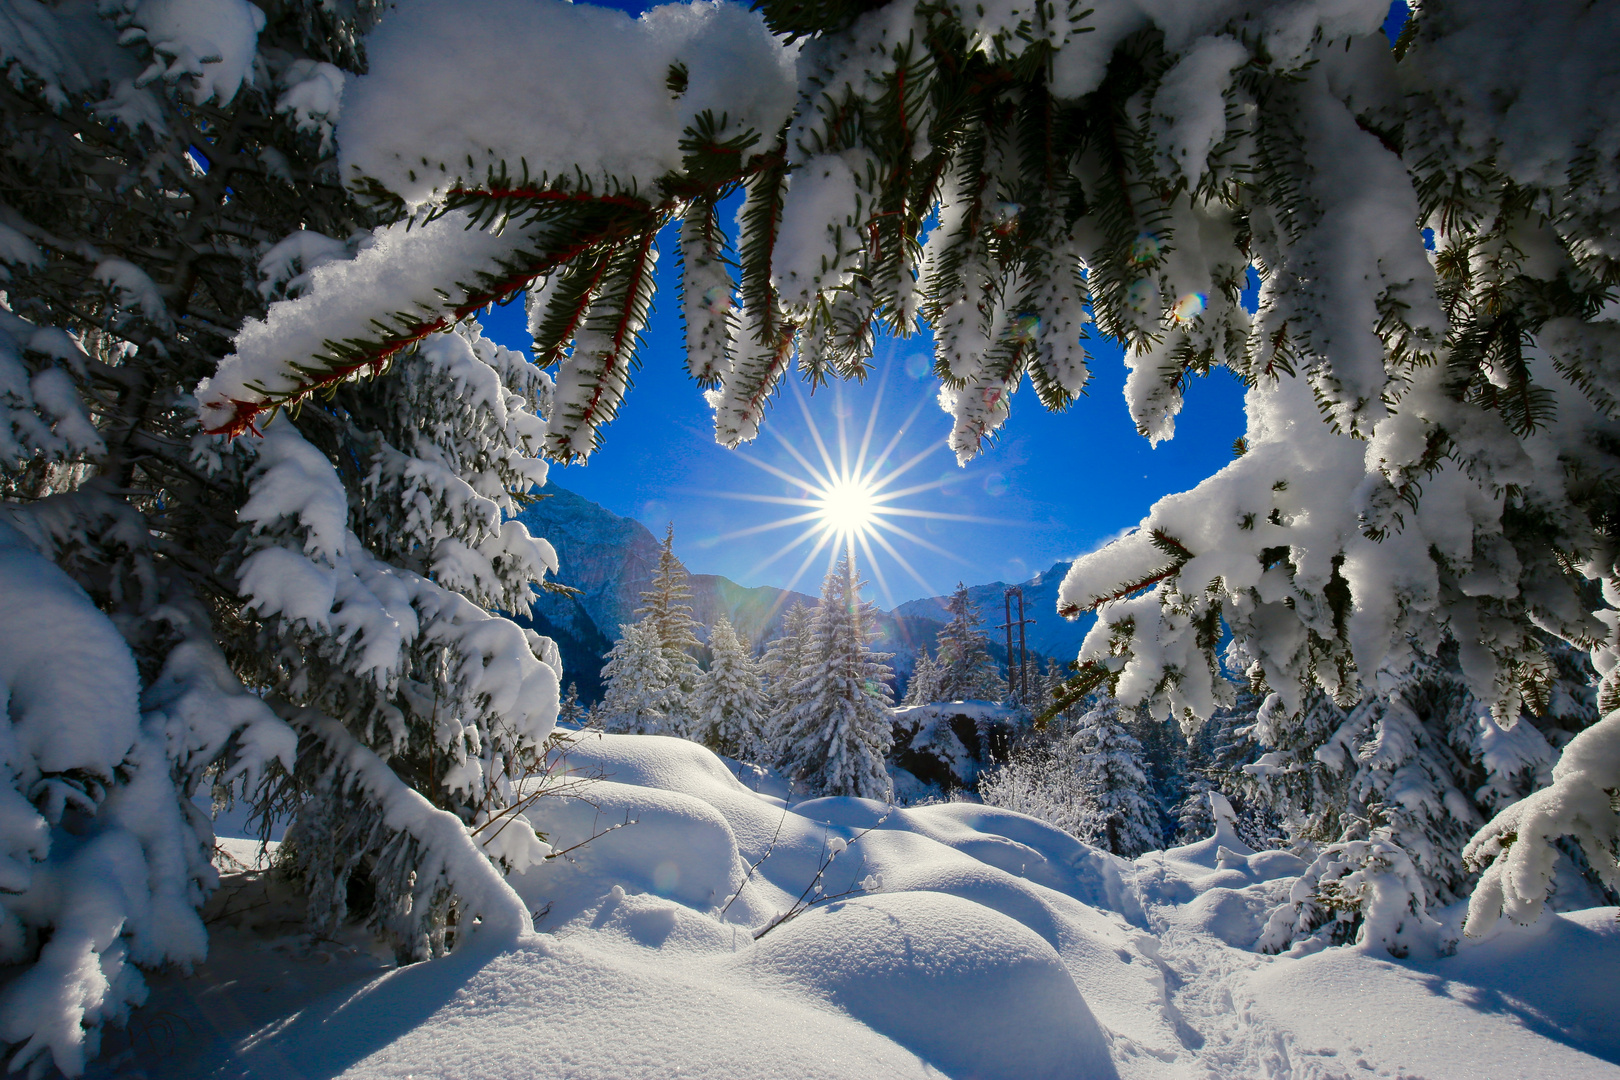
[[610, 559]]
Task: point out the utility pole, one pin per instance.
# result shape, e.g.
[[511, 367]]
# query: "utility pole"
[[1017, 679]]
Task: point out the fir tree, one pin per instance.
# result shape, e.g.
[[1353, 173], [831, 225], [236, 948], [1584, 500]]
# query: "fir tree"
[[1122, 815], [571, 711], [783, 667], [924, 685], [837, 731], [666, 611], [1216, 759], [730, 702], [299, 619], [966, 671], [636, 697]]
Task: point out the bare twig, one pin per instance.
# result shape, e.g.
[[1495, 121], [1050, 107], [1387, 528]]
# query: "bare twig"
[[801, 905], [750, 875], [628, 820]]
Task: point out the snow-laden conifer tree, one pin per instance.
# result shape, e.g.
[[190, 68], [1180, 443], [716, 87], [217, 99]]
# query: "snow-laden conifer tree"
[[169, 170], [373, 547], [783, 667], [1122, 813], [1418, 770], [1216, 756], [923, 688], [1428, 454], [837, 732], [665, 611], [637, 696], [570, 711], [730, 703], [967, 673]]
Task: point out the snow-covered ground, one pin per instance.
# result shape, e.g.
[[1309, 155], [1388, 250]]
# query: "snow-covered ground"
[[958, 940]]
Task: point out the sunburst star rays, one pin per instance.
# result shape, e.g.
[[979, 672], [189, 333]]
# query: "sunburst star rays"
[[847, 497]]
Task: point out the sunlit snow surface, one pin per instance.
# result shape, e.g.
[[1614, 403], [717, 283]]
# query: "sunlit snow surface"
[[993, 947]]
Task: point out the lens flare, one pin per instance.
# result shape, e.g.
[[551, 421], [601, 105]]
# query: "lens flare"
[[1188, 308], [1145, 248], [1142, 295]]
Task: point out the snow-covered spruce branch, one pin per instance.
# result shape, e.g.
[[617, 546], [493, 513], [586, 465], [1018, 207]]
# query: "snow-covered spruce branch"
[[445, 890], [1515, 850]]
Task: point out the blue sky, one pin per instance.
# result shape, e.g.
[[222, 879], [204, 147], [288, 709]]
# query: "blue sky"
[[1052, 487]]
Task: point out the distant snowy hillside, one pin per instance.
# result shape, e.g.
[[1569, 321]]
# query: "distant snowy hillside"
[[610, 559], [1050, 634]]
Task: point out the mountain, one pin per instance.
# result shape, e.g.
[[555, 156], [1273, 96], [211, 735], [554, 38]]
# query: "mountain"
[[610, 559], [1049, 634]]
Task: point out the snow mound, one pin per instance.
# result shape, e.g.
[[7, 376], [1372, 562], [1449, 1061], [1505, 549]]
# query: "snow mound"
[[955, 940], [1537, 1003], [958, 946], [946, 978]]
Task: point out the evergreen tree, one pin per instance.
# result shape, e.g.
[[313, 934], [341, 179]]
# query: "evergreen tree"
[[837, 731], [1216, 759], [1418, 770], [924, 685], [666, 611], [730, 703], [636, 697], [571, 711], [966, 671], [783, 667], [1122, 814], [298, 621], [1167, 759]]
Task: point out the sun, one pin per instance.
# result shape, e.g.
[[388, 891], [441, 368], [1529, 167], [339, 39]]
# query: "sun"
[[848, 507], [848, 497]]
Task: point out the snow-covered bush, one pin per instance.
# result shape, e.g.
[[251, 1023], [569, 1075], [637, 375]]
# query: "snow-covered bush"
[[1040, 780], [1086, 776], [1363, 891]]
